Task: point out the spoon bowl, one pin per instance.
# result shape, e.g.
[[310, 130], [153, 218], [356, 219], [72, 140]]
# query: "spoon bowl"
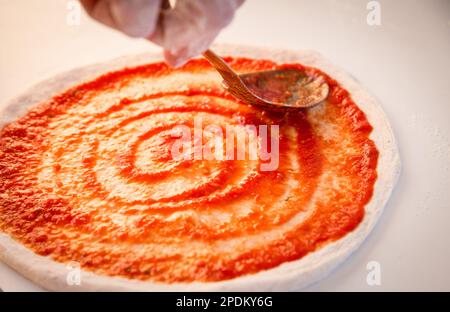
[[284, 89]]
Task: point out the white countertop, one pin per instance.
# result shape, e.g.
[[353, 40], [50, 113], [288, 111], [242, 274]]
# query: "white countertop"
[[404, 62]]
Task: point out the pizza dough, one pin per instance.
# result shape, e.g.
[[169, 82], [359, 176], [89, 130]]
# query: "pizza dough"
[[287, 276]]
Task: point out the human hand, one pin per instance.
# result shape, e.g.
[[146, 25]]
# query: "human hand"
[[184, 31]]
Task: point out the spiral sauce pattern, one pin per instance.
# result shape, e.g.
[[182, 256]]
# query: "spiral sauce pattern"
[[89, 176]]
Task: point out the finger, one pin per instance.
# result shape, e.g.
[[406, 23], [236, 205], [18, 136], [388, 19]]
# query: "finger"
[[88, 5], [136, 18], [190, 28]]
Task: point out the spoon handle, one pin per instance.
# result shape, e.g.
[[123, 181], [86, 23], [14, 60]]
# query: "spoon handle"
[[233, 83], [227, 73], [218, 62]]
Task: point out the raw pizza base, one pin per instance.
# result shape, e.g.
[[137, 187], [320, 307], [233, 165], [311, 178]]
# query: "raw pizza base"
[[288, 276]]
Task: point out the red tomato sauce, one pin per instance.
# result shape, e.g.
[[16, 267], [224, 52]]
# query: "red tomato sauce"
[[87, 176]]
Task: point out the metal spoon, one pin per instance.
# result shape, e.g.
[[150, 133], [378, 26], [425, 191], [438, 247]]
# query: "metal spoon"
[[273, 89]]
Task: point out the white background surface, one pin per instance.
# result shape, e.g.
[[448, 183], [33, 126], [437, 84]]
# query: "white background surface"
[[404, 62]]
